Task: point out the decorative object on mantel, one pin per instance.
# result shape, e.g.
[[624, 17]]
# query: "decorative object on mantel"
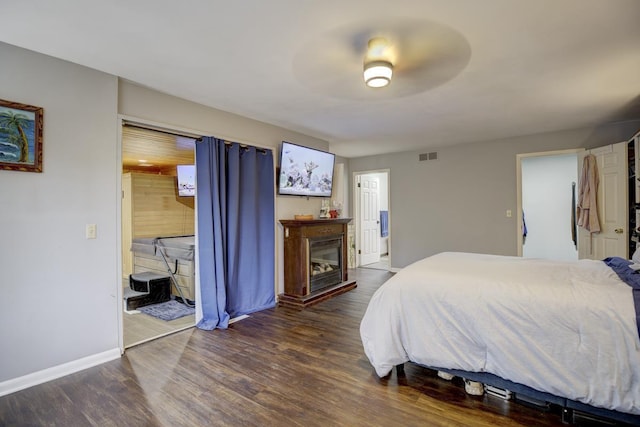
[[324, 210], [315, 261], [303, 217], [337, 209], [20, 137]]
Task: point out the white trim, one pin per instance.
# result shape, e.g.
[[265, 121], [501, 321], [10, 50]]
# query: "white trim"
[[237, 319], [119, 290], [162, 335], [45, 375]]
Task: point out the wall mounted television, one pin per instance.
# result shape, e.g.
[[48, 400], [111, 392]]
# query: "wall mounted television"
[[305, 171], [186, 180]]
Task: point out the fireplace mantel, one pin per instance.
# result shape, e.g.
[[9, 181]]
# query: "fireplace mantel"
[[311, 222], [306, 281]]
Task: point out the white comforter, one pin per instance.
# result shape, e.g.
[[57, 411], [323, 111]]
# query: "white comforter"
[[566, 328]]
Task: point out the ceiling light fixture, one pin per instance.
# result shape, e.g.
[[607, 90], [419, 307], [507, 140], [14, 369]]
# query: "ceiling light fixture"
[[378, 73], [378, 67]]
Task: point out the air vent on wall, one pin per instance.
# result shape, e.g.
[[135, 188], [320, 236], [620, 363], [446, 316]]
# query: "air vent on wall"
[[429, 156]]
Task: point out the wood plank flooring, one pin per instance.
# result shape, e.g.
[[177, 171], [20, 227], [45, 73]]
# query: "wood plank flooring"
[[139, 327], [279, 367]]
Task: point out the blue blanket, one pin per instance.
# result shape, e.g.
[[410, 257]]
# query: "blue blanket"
[[630, 277]]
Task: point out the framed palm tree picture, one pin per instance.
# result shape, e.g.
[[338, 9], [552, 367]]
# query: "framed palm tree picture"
[[20, 137]]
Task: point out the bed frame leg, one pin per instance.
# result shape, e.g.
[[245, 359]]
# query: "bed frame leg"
[[567, 416], [400, 369]]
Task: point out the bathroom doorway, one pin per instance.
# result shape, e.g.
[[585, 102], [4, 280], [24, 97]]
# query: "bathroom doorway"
[[372, 217], [154, 217]]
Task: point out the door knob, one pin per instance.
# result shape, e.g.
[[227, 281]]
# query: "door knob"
[[618, 230]]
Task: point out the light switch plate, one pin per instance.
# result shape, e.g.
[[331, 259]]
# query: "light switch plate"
[[90, 231]]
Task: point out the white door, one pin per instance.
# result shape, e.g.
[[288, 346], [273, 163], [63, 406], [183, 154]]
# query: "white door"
[[369, 220], [612, 202]]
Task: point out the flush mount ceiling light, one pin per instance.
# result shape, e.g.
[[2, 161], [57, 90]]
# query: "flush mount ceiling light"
[[378, 68], [378, 73]]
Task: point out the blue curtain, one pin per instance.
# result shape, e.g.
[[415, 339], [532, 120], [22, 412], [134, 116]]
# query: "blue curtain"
[[235, 191]]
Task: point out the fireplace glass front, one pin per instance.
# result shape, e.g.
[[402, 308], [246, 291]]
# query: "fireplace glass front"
[[325, 259]]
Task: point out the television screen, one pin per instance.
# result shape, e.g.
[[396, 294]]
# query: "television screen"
[[305, 171], [186, 180]]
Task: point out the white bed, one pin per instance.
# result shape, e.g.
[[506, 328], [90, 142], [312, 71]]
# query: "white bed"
[[564, 328]]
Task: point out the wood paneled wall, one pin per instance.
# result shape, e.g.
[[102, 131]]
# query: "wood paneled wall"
[[151, 208], [156, 208]]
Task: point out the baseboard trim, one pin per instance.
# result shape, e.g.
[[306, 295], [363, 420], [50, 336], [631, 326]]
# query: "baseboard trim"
[[46, 375]]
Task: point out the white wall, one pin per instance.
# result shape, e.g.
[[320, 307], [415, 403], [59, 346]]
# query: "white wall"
[[58, 299], [546, 203], [458, 202]]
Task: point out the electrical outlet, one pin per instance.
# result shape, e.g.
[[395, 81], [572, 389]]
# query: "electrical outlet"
[[508, 213], [90, 231]]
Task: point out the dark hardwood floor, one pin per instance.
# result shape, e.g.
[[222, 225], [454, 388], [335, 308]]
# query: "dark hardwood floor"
[[279, 367]]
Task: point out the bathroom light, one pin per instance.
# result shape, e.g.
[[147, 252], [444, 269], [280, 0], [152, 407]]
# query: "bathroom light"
[[378, 73]]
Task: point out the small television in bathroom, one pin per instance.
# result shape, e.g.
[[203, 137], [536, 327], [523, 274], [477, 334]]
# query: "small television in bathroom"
[[186, 180]]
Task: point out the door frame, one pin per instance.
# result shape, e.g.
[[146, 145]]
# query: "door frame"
[[356, 211], [519, 157], [122, 119]]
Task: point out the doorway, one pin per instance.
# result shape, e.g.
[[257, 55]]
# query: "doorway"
[[548, 197], [612, 196], [153, 215], [372, 219]]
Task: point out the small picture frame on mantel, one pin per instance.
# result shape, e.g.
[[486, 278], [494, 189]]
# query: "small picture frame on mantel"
[[20, 137]]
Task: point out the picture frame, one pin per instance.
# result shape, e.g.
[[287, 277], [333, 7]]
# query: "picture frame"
[[20, 136]]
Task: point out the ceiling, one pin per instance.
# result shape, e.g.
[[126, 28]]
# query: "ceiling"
[[465, 70], [150, 151]]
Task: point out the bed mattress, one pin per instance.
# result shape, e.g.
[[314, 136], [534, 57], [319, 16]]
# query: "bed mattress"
[[564, 328]]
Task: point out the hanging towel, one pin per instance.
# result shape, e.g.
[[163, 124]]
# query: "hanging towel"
[[574, 224], [588, 189], [384, 223]]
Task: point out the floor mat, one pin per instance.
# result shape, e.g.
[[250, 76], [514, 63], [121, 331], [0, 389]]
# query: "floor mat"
[[169, 310]]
